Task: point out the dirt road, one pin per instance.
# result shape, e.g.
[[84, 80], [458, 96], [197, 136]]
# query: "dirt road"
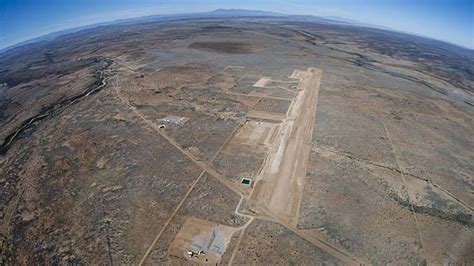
[[280, 184], [319, 242]]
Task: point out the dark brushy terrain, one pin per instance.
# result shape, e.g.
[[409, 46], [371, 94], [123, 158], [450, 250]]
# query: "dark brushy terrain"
[[90, 174]]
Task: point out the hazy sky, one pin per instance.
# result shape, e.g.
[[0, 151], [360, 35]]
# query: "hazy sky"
[[448, 20]]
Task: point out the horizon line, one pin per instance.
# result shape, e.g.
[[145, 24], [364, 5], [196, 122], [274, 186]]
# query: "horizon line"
[[352, 22]]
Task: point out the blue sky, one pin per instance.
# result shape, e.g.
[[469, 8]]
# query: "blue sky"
[[448, 20]]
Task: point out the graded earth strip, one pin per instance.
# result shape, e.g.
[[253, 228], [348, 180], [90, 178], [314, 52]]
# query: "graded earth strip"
[[320, 242], [280, 185]]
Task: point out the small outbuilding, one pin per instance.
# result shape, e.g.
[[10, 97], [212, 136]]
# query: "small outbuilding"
[[174, 119]]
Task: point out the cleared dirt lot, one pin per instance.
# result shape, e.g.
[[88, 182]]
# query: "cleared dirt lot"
[[201, 241], [255, 133], [281, 181]]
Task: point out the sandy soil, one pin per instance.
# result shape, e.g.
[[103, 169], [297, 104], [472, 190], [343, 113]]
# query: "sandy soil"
[[266, 115], [201, 241], [280, 184], [256, 133], [261, 82]]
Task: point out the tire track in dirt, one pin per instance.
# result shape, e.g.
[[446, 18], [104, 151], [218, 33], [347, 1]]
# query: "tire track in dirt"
[[403, 178], [319, 242], [205, 167], [393, 169]]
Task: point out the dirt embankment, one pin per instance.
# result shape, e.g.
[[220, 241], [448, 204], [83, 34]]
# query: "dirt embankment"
[[55, 107]]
